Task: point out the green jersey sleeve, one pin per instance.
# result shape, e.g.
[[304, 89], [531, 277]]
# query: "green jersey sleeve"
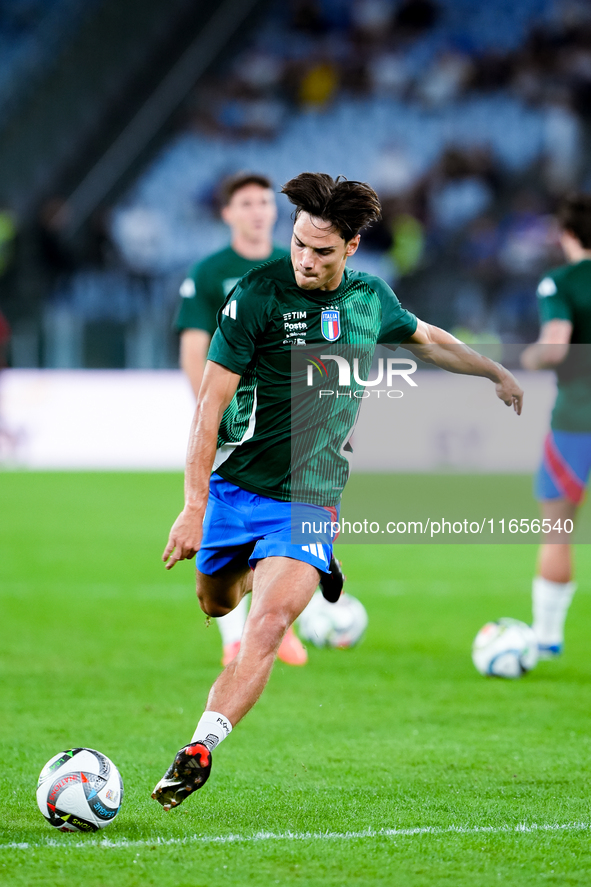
[[553, 300], [240, 323], [398, 324], [200, 300]]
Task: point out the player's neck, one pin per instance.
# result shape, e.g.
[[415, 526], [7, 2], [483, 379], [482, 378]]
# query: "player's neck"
[[573, 249], [252, 249], [583, 255], [334, 282]]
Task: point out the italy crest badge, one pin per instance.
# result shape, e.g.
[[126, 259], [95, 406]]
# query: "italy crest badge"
[[330, 324]]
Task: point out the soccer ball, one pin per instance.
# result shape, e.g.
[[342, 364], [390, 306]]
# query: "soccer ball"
[[506, 648], [79, 790], [333, 625]]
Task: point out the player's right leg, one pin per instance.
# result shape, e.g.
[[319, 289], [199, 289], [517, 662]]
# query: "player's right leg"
[[553, 587], [282, 588], [218, 594], [284, 580]]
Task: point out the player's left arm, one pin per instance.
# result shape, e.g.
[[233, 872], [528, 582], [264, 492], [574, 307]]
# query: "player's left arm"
[[551, 348], [434, 345]]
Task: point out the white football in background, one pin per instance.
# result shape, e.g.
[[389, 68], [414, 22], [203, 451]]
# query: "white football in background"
[[333, 625], [506, 648]]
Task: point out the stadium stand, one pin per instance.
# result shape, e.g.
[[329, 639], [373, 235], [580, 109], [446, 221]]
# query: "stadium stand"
[[470, 119], [31, 32]]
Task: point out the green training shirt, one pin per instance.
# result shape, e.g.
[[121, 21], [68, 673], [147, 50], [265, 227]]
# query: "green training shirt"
[[565, 294], [278, 437], [208, 283]]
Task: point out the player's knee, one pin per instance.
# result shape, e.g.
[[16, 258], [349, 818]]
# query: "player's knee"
[[211, 607]]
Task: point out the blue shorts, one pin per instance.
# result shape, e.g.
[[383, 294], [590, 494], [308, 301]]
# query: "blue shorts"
[[242, 528], [565, 467]]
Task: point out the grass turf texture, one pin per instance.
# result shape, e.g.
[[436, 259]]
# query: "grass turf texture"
[[101, 647]]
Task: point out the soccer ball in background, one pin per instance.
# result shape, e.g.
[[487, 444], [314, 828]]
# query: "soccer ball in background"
[[506, 648], [79, 790], [333, 625]]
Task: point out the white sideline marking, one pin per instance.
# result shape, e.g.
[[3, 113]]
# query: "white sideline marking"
[[521, 828]]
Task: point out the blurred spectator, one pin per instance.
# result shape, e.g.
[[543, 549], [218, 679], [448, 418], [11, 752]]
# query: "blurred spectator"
[[563, 141], [416, 16], [139, 232], [479, 251], [459, 192], [8, 232], [445, 79], [395, 172], [319, 84], [491, 72], [259, 71], [528, 234], [8, 273], [388, 74], [371, 19], [408, 242], [307, 17], [56, 258]]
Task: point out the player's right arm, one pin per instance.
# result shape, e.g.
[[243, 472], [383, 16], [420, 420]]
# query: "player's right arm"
[[551, 348], [196, 320], [556, 327], [217, 390]]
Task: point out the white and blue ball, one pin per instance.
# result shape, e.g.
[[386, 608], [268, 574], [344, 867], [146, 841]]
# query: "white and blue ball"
[[79, 790], [339, 625], [506, 648]]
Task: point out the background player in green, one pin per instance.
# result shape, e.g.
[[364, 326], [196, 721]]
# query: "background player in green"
[[249, 209], [564, 344], [242, 426]]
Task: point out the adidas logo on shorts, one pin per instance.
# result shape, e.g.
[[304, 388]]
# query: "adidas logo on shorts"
[[316, 550]]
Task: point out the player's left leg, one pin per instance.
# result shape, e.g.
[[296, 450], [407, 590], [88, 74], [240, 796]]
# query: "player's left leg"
[[231, 627]]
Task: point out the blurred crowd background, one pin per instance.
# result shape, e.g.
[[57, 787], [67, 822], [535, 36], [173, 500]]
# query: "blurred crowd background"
[[119, 119]]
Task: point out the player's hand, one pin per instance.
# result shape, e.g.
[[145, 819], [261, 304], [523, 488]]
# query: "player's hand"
[[184, 539], [509, 391]]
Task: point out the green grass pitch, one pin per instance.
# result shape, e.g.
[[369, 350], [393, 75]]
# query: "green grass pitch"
[[391, 764]]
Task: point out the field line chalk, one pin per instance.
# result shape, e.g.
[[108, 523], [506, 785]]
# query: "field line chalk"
[[122, 843]]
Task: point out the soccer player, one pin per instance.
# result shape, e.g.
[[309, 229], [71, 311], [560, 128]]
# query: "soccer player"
[[564, 300], [249, 210], [238, 517]]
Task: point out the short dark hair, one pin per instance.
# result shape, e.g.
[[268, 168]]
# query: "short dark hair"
[[240, 180], [574, 215], [349, 206]]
